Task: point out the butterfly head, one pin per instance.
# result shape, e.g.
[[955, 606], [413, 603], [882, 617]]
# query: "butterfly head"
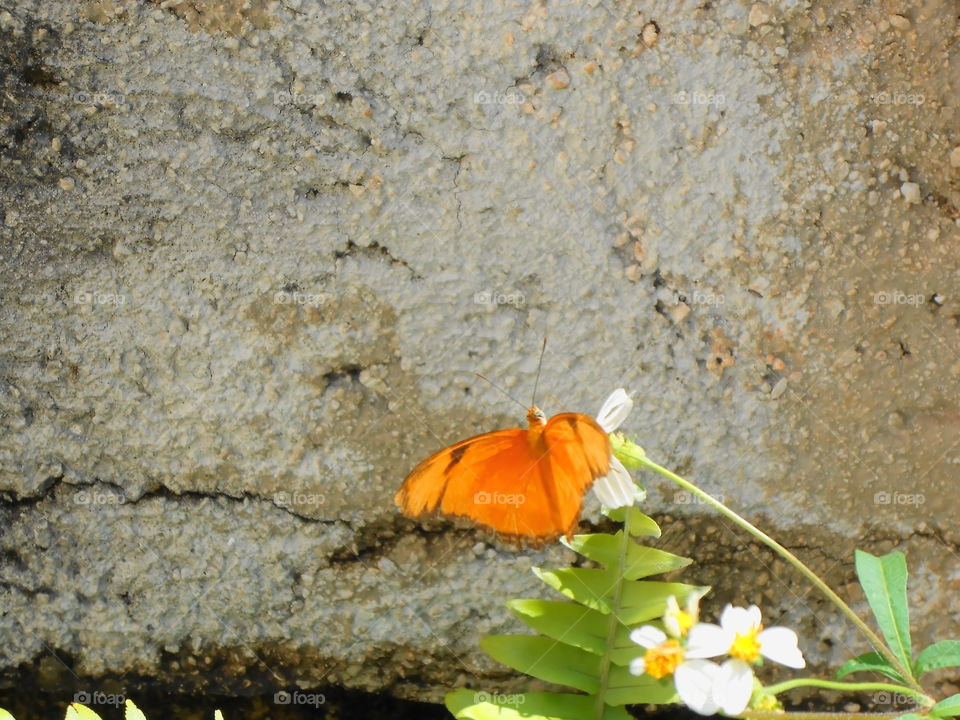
[[535, 417]]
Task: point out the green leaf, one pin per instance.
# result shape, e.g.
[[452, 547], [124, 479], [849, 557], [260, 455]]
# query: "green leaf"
[[645, 600], [640, 525], [568, 622], [948, 707], [546, 659], [945, 653], [884, 581], [624, 688], [641, 561], [588, 586], [640, 600], [478, 705], [869, 662]]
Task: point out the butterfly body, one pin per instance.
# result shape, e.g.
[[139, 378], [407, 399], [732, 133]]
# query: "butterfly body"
[[520, 483]]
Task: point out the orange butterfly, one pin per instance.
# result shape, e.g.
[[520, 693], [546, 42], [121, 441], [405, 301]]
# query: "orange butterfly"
[[520, 483]]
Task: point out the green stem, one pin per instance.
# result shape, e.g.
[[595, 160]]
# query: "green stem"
[[794, 715], [641, 459], [786, 685], [599, 706]]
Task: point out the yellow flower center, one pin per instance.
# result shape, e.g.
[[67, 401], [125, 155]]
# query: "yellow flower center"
[[685, 621], [746, 646], [663, 659]]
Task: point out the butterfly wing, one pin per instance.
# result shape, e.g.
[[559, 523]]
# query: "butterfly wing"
[[522, 483]]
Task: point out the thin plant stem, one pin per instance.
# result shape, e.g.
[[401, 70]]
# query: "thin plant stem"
[[641, 459], [599, 706]]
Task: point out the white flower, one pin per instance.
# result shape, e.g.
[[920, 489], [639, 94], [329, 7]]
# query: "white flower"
[[742, 636], [615, 410], [616, 488]]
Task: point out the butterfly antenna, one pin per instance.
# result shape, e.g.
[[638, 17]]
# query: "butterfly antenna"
[[484, 377], [536, 382]]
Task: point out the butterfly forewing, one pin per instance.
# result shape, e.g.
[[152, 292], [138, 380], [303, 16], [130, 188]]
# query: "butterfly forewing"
[[523, 483]]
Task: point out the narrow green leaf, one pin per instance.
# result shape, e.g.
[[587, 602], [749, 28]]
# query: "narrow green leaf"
[[565, 621], [546, 659], [641, 525], [624, 688], [948, 707], [884, 581], [869, 662], [641, 561], [479, 705], [945, 653]]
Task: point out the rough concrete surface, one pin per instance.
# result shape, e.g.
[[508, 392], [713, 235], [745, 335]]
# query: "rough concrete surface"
[[253, 254]]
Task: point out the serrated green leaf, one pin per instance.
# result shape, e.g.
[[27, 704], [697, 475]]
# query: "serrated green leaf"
[[945, 653], [884, 582], [641, 525], [948, 707], [645, 600], [869, 662], [589, 586], [547, 659], [567, 622], [624, 688], [641, 561], [640, 600], [478, 705]]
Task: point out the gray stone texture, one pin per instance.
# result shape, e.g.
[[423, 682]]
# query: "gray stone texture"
[[253, 255]]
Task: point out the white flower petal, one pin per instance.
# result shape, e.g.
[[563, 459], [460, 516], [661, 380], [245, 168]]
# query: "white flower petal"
[[670, 622], [707, 640], [638, 666], [739, 620], [648, 636], [694, 680], [615, 410], [615, 489], [733, 687], [780, 645]]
